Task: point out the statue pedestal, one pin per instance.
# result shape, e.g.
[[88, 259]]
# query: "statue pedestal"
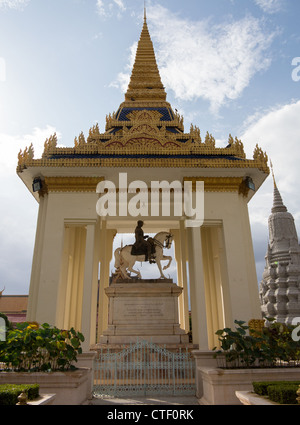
[[144, 310]]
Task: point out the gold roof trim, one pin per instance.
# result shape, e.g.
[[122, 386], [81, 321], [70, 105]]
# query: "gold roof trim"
[[146, 163], [72, 184], [219, 184]]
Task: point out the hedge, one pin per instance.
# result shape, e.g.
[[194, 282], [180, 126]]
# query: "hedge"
[[283, 392], [9, 393], [261, 388]]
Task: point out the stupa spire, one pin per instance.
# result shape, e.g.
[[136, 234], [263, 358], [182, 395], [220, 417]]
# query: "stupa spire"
[[145, 82], [278, 205], [279, 289]]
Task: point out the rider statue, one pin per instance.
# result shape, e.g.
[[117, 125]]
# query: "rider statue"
[[142, 245]]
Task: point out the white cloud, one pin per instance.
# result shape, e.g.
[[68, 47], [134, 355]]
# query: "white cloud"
[[120, 4], [13, 4], [278, 133], [11, 145], [201, 60], [270, 6], [105, 8]]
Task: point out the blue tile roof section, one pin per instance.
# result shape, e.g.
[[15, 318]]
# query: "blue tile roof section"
[[167, 114]]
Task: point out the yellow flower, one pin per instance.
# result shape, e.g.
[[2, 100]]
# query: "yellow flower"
[[61, 345], [33, 325]]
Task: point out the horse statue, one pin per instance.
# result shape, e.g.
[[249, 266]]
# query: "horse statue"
[[124, 260]]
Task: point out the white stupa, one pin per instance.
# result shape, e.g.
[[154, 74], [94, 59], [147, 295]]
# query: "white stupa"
[[280, 286]]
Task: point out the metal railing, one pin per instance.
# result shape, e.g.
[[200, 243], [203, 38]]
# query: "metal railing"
[[143, 369]]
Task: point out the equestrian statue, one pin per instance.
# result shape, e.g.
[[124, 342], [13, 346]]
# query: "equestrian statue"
[[144, 249]]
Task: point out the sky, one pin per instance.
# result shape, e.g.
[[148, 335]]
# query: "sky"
[[229, 67]]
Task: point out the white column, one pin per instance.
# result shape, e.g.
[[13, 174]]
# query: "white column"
[[184, 278], [36, 262], [175, 234], [103, 301], [213, 284], [90, 284], [51, 255], [197, 290], [107, 237], [243, 286]]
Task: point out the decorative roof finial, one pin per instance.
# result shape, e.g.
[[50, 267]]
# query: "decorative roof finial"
[[145, 12], [271, 165]]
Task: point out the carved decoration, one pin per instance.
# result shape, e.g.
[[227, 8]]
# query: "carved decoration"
[[80, 141], [259, 155], [25, 156], [50, 144]]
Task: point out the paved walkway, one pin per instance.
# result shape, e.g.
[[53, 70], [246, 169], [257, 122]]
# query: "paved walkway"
[[151, 400]]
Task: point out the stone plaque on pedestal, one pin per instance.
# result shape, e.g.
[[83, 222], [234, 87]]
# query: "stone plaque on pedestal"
[[144, 310]]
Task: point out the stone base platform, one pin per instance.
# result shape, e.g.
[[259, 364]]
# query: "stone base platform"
[[144, 310]]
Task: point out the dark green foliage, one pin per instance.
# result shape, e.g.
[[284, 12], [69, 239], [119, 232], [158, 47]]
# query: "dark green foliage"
[[9, 393], [284, 393], [272, 347], [261, 388], [40, 349]]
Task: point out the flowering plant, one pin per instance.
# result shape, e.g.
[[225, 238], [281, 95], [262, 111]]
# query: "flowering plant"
[[33, 348]]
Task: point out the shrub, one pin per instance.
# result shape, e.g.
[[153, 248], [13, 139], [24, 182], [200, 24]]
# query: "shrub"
[[40, 349], [266, 349], [261, 388], [283, 393], [9, 393]]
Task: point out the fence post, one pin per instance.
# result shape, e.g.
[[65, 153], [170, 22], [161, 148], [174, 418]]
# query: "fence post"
[[173, 368]]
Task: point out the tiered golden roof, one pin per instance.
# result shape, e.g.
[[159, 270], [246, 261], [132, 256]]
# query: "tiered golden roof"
[[145, 132], [145, 83]]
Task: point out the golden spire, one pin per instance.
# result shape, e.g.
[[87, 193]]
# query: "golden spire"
[[145, 83]]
